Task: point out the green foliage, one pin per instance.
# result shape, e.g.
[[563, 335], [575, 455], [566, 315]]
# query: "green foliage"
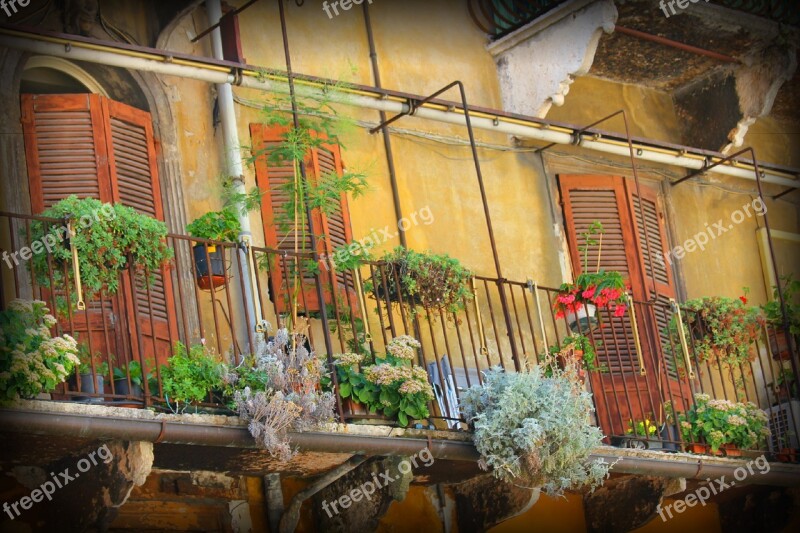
[[433, 281], [772, 309], [311, 124], [135, 370], [718, 422], [190, 376], [577, 341], [391, 385], [724, 328], [534, 429], [220, 226], [31, 360], [106, 236], [642, 428]]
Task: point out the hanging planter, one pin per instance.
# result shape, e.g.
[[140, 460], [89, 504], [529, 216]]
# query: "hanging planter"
[[209, 263], [209, 259], [582, 319]]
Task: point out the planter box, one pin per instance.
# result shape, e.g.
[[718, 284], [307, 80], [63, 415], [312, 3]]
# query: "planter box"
[[121, 388], [726, 450]]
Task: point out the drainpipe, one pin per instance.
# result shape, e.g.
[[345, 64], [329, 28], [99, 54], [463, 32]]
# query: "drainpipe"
[[233, 158]]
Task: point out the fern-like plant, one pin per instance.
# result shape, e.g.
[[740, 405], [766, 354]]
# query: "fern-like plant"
[[534, 429]]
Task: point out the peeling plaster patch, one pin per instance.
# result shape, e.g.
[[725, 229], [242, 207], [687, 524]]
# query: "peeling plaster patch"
[[536, 71], [30, 477], [212, 479]]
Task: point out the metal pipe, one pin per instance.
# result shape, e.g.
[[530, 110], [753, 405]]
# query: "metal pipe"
[[233, 158], [387, 140], [675, 44], [86, 426], [214, 71]]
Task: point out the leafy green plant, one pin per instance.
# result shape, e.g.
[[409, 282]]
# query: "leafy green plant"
[[772, 309], [86, 360], [534, 429], [433, 281], [599, 288], [109, 239], [31, 359], [724, 329], [190, 375], [220, 226], [718, 422], [576, 341], [391, 385], [134, 368], [310, 124]]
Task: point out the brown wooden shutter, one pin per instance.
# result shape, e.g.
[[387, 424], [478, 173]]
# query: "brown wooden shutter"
[[134, 181], [273, 178], [65, 148], [90, 146], [590, 198], [326, 161]]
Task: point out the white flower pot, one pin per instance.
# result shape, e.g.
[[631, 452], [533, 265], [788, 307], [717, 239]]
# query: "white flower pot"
[[584, 320]]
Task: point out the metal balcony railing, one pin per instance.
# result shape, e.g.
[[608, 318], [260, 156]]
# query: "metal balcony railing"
[[643, 366]]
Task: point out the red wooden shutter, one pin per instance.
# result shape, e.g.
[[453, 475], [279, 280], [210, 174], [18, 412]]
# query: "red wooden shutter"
[[65, 148], [134, 180], [590, 198], [273, 178]]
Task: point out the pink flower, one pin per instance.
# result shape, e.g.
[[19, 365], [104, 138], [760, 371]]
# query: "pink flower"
[[620, 310], [588, 293], [743, 299], [566, 298]]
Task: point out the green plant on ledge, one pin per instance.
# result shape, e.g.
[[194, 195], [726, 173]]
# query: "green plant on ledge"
[[31, 359], [222, 226], [535, 430], [719, 422], [578, 346], [109, 239], [190, 376], [391, 385]]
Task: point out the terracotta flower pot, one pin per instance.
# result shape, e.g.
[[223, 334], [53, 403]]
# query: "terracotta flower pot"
[[778, 345]]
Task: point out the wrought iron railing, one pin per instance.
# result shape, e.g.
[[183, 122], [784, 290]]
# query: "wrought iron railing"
[[498, 18], [643, 364]]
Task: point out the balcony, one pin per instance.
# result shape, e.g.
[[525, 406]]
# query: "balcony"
[[641, 367]]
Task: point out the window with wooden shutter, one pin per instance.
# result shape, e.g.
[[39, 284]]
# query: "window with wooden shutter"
[[274, 178], [91, 146], [634, 243]]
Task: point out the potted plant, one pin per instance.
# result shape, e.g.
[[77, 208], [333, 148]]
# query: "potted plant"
[[709, 425], [209, 259], [391, 385], [534, 430], [577, 350], [786, 385], [190, 376], [91, 375], [641, 433], [133, 369], [578, 302], [433, 281], [31, 359], [774, 317], [109, 239], [724, 328]]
